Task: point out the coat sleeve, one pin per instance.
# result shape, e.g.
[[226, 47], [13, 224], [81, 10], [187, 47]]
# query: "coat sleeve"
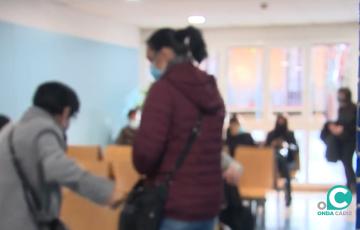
[[121, 140], [349, 124], [269, 139], [292, 139], [58, 168], [325, 132], [151, 138]]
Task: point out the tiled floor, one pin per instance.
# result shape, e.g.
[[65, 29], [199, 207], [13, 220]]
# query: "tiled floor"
[[303, 214]]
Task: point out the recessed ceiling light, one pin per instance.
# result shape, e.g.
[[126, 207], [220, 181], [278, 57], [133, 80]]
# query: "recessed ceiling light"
[[196, 19]]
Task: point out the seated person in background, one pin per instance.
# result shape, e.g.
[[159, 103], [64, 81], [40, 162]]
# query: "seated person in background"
[[236, 136], [127, 134], [38, 141], [283, 141], [3, 121]]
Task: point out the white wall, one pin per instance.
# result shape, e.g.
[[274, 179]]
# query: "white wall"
[[60, 18]]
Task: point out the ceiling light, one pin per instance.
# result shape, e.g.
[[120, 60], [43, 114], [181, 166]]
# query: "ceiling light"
[[196, 19]]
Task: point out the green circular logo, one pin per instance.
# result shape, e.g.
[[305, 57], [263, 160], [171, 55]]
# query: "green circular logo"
[[338, 198]]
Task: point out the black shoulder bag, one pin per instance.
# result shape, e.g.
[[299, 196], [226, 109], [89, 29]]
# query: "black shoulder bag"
[[40, 217], [145, 204]]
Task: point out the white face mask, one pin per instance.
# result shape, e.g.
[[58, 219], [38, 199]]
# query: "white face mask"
[[134, 124]]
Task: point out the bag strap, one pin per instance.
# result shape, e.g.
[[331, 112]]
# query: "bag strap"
[[31, 198], [190, 141], [186, 149]]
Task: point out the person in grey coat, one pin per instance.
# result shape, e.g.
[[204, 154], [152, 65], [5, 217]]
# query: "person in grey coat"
[[40, 144], [3, 121]]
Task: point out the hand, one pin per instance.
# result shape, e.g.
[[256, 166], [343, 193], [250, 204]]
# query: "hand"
[[233, 173], [336, 130], [117, 198], [277, 143], [331, 127]]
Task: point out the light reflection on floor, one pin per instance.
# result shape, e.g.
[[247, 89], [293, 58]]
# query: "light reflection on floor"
[[303, 214]]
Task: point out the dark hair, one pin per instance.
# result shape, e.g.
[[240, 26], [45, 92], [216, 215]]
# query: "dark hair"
[[132, 112], [285, 127], [183, 42], [347, 93], [3, 121], [54, 97], [234, 119]]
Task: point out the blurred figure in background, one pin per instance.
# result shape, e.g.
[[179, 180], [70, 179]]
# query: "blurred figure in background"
[[182, 96], [232, 169], [236, 136], [4, 120], [284, 143], [127, 134], [33, 151], [234, 214], [344, 130]]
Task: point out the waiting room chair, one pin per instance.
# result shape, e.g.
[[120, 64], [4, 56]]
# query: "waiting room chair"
[[81, 214], [85, 153], [121, 166], [259, 171], [258, 176]]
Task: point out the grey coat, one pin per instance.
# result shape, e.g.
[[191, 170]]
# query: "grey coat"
[[40, 144]]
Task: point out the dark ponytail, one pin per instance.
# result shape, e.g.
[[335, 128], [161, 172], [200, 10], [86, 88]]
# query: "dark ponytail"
[[188, 41]]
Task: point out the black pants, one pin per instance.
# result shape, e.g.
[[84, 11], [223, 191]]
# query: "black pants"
[[284, 171], [235, 215], [346, 159]]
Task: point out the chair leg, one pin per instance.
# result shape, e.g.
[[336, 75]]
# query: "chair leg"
[[263, 218], [260, 212], [253, 206]]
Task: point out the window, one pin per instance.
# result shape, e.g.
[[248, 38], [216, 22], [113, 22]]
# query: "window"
[[286, 79], [244, 81], [328, 64], [296, 80]]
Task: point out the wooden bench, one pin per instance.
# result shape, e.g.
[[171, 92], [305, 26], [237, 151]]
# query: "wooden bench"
[[258, 176], [85, 153], [81, 214], [259, 171], [122, 169]]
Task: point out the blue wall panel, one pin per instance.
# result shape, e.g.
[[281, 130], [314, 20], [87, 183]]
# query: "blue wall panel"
[[104, 75]]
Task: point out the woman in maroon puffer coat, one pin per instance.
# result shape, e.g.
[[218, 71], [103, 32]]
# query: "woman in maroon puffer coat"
[[171, 109]]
